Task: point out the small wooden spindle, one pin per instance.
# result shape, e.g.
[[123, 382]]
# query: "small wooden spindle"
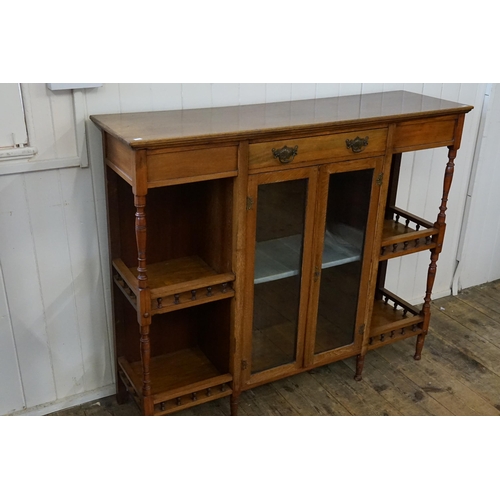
[[407, 222], [162, 407], [386, 299], [159, 302], [193, 294], [393, 332], [405, 313], [178, 401], [382, 338], [209, 391], [223, 388], [417, 242], [405, 245], [417, 228], [176, 298], [394, 247], [194, 396], [209, 291], [397, 219], [402, 331], [370, 342], [224, 287], [427, 240], [383, 251]]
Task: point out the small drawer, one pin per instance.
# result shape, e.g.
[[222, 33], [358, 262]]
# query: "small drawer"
[[171, 167], [320, 149], [422, 134]]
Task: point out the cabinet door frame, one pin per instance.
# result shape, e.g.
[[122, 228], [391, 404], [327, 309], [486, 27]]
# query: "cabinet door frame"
[[255, 180], [366, 288]]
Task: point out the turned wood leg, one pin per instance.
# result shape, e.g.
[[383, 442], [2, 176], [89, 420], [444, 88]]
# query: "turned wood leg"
[[360, 361], [234, 401], [419, 346]]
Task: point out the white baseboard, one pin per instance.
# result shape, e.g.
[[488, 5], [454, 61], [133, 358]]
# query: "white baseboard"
[[68, 402]]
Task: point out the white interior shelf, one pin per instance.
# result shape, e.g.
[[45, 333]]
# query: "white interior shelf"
[[281, 258]]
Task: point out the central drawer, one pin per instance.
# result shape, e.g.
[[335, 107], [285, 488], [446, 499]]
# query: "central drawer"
[[286, 153]]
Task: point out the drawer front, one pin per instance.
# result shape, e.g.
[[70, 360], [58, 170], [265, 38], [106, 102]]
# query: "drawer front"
[[171, 167], [319, 149], [424, 134]]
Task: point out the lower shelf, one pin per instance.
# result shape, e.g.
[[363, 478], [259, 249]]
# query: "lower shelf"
[[393, 319], [178, 380]]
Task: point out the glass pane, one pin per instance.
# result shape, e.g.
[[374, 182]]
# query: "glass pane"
[[278, 262], [346, 218]]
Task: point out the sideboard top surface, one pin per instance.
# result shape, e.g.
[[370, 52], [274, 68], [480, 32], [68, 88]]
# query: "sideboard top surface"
[[190, 126]]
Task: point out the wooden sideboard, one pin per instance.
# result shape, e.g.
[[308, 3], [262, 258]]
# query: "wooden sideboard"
[[250, 243]]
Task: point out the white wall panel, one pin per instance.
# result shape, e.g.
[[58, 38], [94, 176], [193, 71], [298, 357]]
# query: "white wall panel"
[[11, 389], [252, 93], [480, 256], [225, 94], [86, 275], [43, 191], [196, 95], [21, 276]]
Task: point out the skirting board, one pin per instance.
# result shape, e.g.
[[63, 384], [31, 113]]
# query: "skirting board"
[[69, 402]]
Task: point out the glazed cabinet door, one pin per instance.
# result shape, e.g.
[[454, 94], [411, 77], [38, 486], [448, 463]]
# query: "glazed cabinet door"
[[280, 223], [348, 199]]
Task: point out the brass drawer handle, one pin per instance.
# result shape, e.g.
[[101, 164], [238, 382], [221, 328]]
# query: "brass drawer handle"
[[357, 145], [285, 154]]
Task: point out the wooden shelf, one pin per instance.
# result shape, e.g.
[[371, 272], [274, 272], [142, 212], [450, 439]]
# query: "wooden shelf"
[[176, 284], [179, 379], [281, 258], [392, 314], [398, 238]]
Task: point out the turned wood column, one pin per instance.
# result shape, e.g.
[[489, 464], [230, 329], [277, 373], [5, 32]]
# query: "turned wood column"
[[144, 299], [440, 224]]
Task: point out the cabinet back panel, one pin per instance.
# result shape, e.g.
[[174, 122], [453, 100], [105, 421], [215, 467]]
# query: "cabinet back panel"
[[171, 213]]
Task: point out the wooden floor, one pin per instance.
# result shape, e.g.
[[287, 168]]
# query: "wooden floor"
[[459, 373]]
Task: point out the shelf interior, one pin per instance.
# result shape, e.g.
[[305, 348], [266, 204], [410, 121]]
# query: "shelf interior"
[[281, 258], [392, 315]]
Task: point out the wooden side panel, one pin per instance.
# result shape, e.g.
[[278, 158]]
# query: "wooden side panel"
[[120, 158], [205, 163], [423, 134]]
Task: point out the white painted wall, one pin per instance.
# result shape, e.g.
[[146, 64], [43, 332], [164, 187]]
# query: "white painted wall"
[[480, 256], [55, 340]]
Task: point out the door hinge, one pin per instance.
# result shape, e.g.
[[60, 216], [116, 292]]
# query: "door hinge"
[[361, 330], [249, 203], [380, 179], [244, 365]]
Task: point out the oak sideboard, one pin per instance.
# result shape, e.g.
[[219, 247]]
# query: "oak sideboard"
[[250, 243]]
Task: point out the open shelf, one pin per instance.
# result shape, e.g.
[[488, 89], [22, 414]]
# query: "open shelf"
[[393, 319], [405, 233], [176, 283], [281, 258], [179, 380]]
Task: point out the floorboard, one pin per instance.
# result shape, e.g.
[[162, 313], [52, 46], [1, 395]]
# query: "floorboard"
[[459, 374]]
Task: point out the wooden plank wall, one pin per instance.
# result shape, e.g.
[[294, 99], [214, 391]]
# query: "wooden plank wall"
[[55, 343]]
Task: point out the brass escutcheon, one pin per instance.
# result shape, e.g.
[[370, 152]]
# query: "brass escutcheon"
[[357, 145], [285, 154]]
